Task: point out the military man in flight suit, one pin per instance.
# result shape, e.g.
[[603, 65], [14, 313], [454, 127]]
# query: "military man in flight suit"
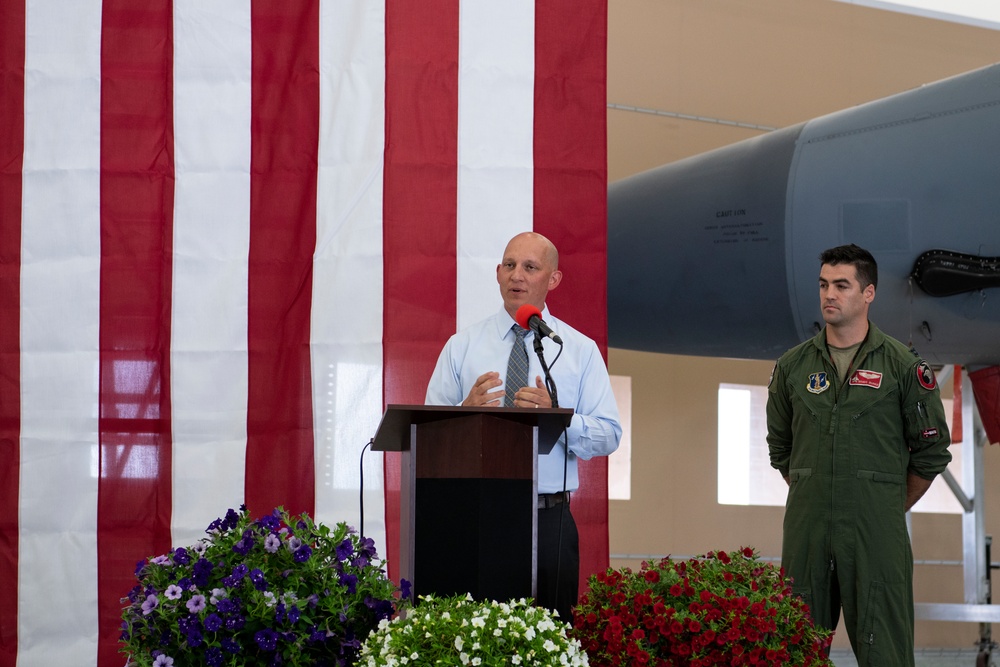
[[856, 427]]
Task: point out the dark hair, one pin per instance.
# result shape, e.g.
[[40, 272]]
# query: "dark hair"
[[864, 264]]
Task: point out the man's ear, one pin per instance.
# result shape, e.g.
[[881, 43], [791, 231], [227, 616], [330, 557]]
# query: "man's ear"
[[555, 279]]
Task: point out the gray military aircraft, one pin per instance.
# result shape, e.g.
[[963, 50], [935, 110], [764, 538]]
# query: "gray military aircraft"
[[717, 254]]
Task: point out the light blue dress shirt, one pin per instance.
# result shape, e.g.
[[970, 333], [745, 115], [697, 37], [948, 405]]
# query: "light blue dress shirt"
[[579, 374]]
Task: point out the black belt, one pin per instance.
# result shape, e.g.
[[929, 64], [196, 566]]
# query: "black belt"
[[550, 500]]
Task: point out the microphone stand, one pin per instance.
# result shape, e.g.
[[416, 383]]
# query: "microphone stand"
[[550, 385]]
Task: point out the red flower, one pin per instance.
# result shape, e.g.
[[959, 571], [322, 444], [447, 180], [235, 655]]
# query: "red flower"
[[725, 605]]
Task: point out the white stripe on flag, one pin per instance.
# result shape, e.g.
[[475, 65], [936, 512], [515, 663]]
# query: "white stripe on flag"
[[496, 84], [209, 381], [60, 287], [346, 333]]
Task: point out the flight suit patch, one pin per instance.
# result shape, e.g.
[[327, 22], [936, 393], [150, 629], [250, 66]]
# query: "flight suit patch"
[[863, 378], [817, 383], [925, 376]]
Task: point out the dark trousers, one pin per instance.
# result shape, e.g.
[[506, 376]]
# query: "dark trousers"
[[558, 564]]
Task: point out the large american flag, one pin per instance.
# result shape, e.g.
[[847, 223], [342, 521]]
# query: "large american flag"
[[231, 232]]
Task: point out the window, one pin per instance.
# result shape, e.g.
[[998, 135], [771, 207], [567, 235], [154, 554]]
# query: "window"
[[620, 461]]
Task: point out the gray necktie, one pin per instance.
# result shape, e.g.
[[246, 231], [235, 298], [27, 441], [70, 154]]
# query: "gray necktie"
[[517, 367]]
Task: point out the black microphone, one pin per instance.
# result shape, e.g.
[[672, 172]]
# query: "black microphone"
[[529, 317]]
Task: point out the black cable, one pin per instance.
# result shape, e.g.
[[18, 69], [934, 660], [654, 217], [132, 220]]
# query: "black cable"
[[361, 498], [563, 508]]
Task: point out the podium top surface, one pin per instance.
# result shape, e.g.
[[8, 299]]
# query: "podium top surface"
[[393, 433]]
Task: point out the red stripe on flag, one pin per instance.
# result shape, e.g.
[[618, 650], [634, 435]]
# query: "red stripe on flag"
[[283, 171], [12, 19], [570, 199], [420, 204], [137, 191]]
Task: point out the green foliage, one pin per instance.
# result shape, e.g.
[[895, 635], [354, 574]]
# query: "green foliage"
[[278, 590]]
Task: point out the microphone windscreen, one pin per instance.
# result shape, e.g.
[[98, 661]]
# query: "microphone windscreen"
[[525, 313]]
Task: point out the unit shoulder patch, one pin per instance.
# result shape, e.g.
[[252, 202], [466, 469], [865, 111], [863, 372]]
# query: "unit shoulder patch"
[[925, 375]]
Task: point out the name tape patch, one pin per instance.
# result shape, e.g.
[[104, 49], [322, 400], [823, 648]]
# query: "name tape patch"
[[863, 378]]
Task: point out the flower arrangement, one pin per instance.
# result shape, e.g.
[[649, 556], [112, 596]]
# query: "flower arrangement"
[[461, 631], [278, 590], [718, 609]]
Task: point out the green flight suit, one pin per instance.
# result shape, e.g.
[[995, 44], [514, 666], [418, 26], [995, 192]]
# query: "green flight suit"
[[847, 450]]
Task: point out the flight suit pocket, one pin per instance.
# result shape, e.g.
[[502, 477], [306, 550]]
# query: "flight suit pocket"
[[881, 521], [868, 640], [795, 474], [920, 426]]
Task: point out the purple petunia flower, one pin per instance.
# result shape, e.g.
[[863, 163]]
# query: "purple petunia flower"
[[404, 589], [149, 605], [202, 570], [239, 572], [294, 543], [302, 554], [350, 581], [196, 604], [367, 547], [244, 546], [228, 605], [257, 577], [193, 637], [230, 645], [267, 639], [294, 614], [271, 521], [272, 543], [345, 550], [232, 518], [161, 560], [163, 660], [173, 592], [213, 657], [213, 622], [181, 556]]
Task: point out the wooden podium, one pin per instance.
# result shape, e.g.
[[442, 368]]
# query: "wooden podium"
[[469, 495]]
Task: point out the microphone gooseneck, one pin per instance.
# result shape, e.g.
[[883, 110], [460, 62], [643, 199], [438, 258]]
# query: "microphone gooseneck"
[[529, 317]]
